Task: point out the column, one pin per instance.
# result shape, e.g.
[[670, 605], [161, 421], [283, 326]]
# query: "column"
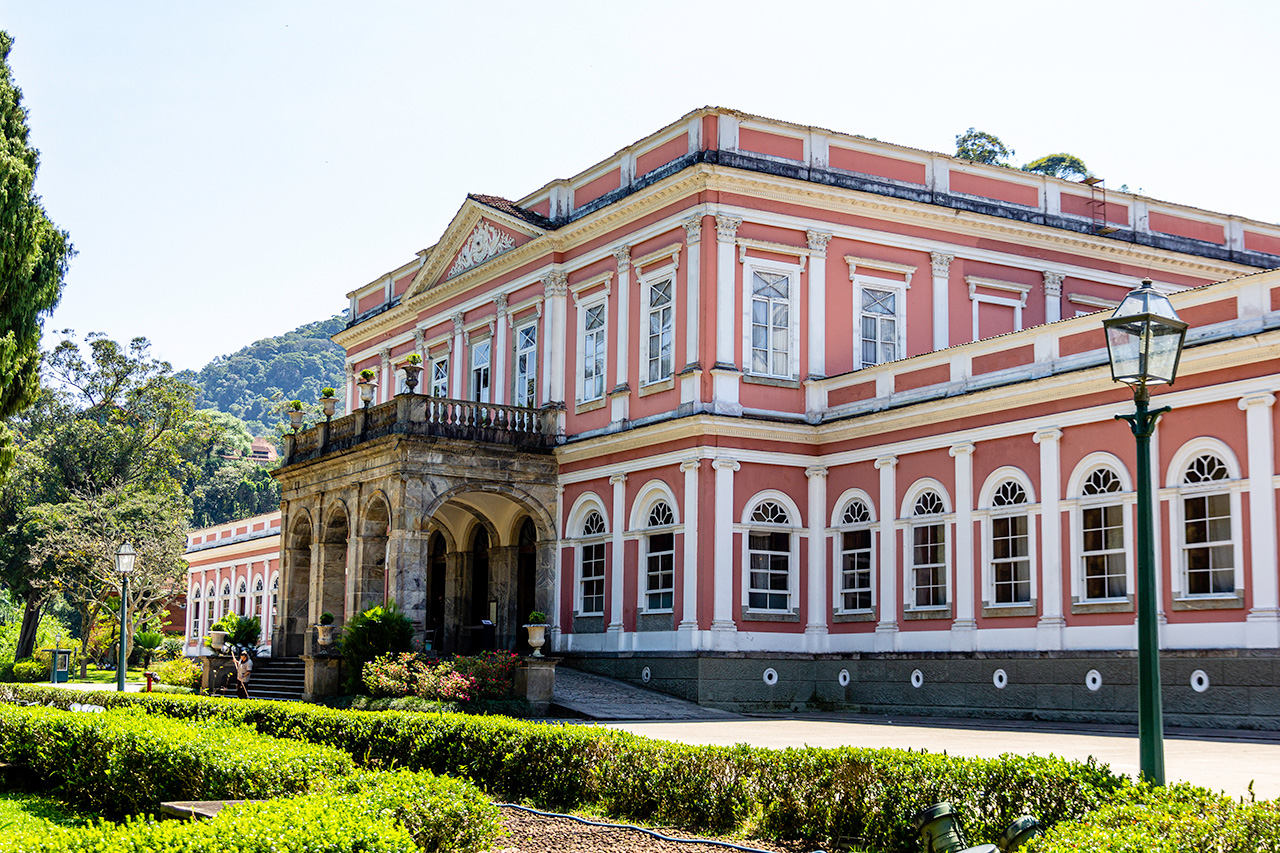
[[815, 629], [688, 626], [1049, 628], [420, 347], [349, 381], [690, 384], [555, 288], [725, 374], [722, 625], [887, 594], [388, 376], [1263, 626], [619, 482], [964, 628], [818, 303], [1053, 295], [621, 393], [557, 548], [498, 353], [941, 299], [459, 356]]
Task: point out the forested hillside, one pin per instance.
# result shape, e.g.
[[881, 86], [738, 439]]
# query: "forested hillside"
[[253, 382]]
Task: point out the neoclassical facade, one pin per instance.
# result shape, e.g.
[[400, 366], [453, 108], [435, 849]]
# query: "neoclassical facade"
[[774, 399]]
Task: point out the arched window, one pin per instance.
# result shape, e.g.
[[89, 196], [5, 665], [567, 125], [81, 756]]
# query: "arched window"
[[275, 598], [210, 602], [928, 563], [224, 604], [855, 557], [1010, 545], [660, 559], [591, 565], [1103, 555], [242, 599], [769, 544], [255, 604], [195, 612], [1208, 531]]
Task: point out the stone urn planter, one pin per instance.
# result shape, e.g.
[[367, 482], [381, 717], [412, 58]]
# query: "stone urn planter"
[[217, 639], [329, 402], [537, 628], [324, 630], [411, 369], [296, 415]]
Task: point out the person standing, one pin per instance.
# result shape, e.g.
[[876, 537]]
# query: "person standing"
[[244, 667]]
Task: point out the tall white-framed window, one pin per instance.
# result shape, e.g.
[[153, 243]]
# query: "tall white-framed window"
[[659, 327], [209, 615], [771, 557], [255, 605], [481, 358], [525, 392], [1104, 550], [855, 558], [660, 559], [196, 624], [771, 322], [593, 344], [878, 308], [224, 603], [927, 561], [1208, 527], [273, 614], [242, 598], [591, 551], [1009, 546], [440, 376]]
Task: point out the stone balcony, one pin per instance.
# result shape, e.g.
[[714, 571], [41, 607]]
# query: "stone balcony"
[[524, 429]]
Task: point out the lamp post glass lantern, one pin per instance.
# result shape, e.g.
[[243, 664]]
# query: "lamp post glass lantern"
[[124, 565], [1144, 344]]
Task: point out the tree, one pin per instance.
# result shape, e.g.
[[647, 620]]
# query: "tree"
[[33, 257], [981, 147], [1066, 166]]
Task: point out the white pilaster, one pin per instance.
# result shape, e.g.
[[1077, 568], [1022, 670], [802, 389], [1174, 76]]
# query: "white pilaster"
[[722, 625], [815, 629], [420, 347], [498, 357], [688, 627], [1049, 628], [1263, 622], [690, 380], [941, 299], [619, 482], [725, 373], [887, 594], [818, 241], [620, 395], [388, 376], [964, 629], [459, 356], [1053, 295], [349, 380]]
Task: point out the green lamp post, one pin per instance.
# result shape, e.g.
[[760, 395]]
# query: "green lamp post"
[[1144, 343], [124, 565]]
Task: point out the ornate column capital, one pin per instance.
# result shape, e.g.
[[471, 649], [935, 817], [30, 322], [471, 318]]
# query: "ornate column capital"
[[727, 227], [555, 284], [693, 230], [941, 262], [419, 337], [815, 471], [618, 479], [886, 462], [385, 355], [457, 323], [818, 241], [1053, 282], [725, 465], [623, 256], [690, 465], [963, 449], [1261, 398], [1046, 434]]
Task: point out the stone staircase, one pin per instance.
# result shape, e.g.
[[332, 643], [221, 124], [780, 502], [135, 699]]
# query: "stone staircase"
[[273, 678]]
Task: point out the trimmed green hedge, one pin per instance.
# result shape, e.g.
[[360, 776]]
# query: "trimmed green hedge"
[[373, 813]]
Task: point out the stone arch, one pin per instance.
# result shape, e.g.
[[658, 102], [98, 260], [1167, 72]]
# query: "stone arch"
[[374, 530], [335, 538], [542, 517], [296, 592]]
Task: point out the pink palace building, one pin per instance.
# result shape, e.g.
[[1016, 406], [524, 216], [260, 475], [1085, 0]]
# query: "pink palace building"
[[766, 415], [233, 568]]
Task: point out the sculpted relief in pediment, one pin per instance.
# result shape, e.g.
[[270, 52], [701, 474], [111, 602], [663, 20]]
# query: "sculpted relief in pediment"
[[484, 242]]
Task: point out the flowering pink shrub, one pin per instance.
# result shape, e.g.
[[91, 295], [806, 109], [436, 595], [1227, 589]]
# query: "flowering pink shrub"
[[489, 675], [452, 686], [493, 672], [392, 675]]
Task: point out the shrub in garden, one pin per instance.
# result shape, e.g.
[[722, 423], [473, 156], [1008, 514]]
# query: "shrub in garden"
[[183, 672], [30, 670], [493, 672], [371, 634], [146, 642], [392, 675], [445, 683]]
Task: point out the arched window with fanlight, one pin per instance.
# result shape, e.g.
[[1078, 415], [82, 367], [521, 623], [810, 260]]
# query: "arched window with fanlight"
[[224, 603], [660, 559], [591, 549], [771, 557], [242, 598], [1208, 528], [928, 566], [210, 603], [195, 623], [1103, 554], [1010, 545], [256, 603], [856, 557]]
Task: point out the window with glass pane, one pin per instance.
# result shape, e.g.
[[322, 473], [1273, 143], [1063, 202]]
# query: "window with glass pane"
[[1010, 561], [275, 595], [242, 599], [1102, 551], [526, 390], [879, 326], [661, 331], [440, 377], [591, 566], [593, 351], [770, 324], [855, 569], [660, 569], [929, 553], [769, 560], [1208, 547], [480, 356]]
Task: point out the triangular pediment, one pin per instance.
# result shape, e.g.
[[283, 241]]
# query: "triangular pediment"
[[478, 233]]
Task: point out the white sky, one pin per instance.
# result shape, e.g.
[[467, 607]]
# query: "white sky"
[[230, 170]]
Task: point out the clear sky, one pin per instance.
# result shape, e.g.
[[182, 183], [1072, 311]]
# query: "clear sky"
[[231, 170]]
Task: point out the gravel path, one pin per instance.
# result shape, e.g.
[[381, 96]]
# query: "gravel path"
[[530, 833]]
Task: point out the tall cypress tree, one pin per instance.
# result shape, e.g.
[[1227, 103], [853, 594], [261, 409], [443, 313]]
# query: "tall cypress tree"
[[33, 257]]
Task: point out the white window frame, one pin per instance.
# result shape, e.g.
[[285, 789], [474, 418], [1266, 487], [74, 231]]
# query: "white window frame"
[[1017, 303], [907, 524], [269, 624], [647, 280], [475, 370], [651, 493], [259, 588], [531, 354], [225, 600], [837, 531], [987, 515], [584, 305], [1078, 502], [1176, 493], [439, 377], [211, 601], [795, 529], [749, 268], [647, 554], [193, 621], [242, 598], [899, 289], [586, 505]]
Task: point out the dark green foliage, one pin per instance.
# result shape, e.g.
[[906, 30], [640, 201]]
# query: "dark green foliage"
[[242, 631], [370, 635], [147, 642], [1066, 166], [981, 147], [225, 483], [29, 671], [33, 258], [252, 382]]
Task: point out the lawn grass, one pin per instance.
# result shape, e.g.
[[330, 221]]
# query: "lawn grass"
[[35, 812], [105, 676]]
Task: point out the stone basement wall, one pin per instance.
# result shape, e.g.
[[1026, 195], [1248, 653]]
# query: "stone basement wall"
[[1243, 686]]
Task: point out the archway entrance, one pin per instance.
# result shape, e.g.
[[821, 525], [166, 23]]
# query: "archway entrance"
[[333, 565], [371, 576], [297, 558]]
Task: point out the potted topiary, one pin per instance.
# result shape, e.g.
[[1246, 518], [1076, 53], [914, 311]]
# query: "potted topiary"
[[412, 367], [367, 386], [537, 628], [296, 414], [324, 630], [329, 400]]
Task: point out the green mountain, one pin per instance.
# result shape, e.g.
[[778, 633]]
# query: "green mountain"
[[253, 383]]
